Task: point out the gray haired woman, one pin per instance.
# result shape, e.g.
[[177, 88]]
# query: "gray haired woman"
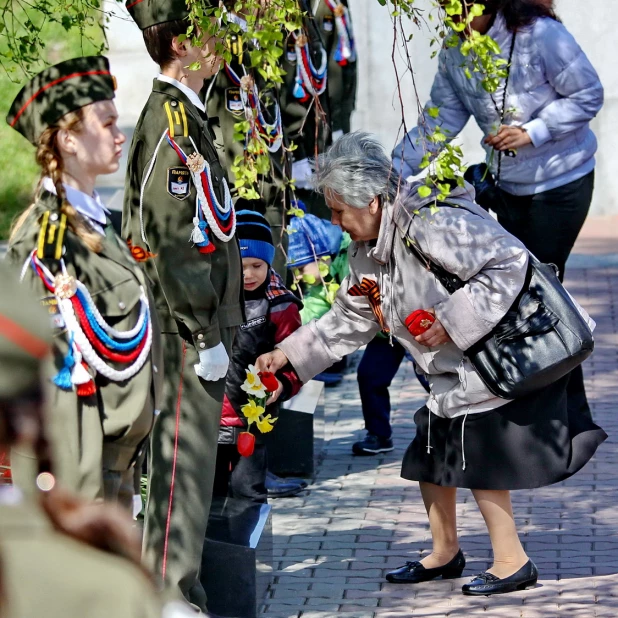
[[465, 436]]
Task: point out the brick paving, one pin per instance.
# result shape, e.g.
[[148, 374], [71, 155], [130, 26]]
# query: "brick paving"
[[359, 519]]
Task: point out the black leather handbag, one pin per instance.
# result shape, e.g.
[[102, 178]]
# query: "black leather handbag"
[[542, 337]]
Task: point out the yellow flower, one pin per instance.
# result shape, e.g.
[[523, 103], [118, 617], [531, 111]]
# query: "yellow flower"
[[266, 424], [252, 411], [253, 385]]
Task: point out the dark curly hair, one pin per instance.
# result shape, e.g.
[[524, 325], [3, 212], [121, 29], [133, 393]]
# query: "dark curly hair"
[[520, 13]]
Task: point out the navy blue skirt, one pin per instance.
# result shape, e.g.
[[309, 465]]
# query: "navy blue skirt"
[[530, 442]]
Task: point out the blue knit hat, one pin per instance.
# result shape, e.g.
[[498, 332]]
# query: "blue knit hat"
[[254, 236], [311, 230]]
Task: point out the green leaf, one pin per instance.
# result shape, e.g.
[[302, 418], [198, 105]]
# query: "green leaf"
[[434, 112], [424, 191]]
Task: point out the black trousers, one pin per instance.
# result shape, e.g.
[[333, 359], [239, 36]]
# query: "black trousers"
[[548, 224], [241, 477], [376, 371]]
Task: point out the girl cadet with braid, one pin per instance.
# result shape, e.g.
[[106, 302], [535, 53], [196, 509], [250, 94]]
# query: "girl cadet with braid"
[[103, 372]]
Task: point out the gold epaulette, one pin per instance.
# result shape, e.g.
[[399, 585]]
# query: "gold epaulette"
[[51, 235], [177, 118]]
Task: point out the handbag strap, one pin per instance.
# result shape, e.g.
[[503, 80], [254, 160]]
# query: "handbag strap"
[[502, 113], [450, 281]]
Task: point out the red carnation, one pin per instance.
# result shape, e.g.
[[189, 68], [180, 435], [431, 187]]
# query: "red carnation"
[[270, 382]]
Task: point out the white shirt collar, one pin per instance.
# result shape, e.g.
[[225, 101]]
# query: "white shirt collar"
[[190, 94], [90, 206], [238, 20]]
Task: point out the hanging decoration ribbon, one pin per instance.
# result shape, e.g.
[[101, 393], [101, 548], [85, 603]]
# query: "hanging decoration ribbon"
[[270, 133], [309, 80], [208, 211], [346, 49], [91, 338]]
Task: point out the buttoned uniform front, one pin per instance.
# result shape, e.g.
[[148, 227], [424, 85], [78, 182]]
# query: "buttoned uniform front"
[[97, 438], [198, 299], [224, 105]]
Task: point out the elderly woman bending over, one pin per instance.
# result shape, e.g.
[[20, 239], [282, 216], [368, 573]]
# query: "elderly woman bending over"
[[465, 436]]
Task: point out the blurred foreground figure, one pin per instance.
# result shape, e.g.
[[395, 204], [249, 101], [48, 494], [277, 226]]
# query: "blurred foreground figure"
[[59, 556]]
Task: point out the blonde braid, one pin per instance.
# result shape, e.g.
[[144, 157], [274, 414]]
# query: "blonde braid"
[[49, 159]]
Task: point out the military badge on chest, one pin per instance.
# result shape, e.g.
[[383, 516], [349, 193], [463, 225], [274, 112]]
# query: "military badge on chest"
[[233, 101], [178, 182]]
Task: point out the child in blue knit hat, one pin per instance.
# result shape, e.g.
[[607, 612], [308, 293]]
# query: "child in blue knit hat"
[[313, 241], [272, 313]]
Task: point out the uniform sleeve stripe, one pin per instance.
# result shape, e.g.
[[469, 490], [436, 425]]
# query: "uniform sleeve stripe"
[[60, 238], [42, 233], [185, 124], [177, 117], [23, 339], [168, 111]]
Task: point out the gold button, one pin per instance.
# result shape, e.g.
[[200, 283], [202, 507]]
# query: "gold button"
[[121, 305], [53, 217], [200, 336], [202, 345]]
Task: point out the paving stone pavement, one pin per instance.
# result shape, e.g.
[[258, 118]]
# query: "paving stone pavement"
[[359, 519]]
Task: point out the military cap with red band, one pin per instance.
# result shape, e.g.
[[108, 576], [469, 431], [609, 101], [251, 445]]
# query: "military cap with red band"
[[147, 13], [58, 90], [25, 336]]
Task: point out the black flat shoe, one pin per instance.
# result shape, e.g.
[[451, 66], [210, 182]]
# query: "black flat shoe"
[[415, 572], [487, 584]]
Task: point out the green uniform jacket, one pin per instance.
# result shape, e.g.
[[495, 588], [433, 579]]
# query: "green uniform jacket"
[[46, 573], [224, 103], [341, 79], [108, 429], [299, 122], [196, 294]]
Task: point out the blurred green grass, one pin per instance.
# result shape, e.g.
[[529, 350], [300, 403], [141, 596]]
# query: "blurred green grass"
[[18, 169]]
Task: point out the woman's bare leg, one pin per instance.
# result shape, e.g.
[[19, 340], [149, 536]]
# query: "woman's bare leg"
[[497, 511], [440, 507]]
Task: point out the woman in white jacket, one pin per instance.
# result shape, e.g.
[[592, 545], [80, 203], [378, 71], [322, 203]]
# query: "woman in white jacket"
[[466, 437]]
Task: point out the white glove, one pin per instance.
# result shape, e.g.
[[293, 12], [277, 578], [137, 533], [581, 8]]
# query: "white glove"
[[337, 135], [213, 363], [301, 172]]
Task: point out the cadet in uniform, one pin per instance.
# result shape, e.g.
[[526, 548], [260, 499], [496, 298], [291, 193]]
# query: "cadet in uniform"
[[335, 24], [305, 109], [103, 371], [179, 221], [238, 93]]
